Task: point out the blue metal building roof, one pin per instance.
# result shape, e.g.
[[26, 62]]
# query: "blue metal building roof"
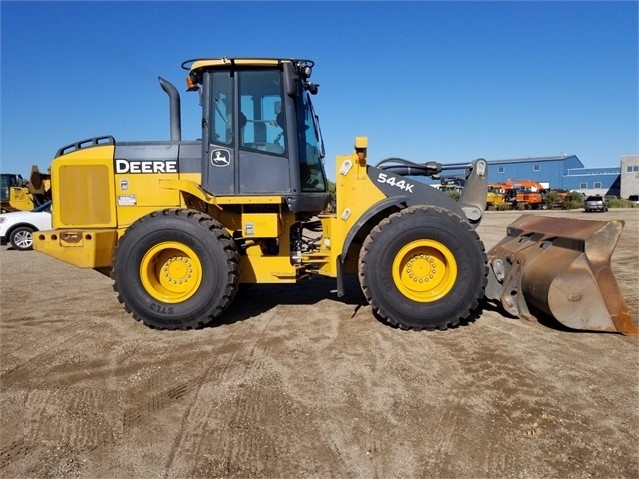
[[564, 171]]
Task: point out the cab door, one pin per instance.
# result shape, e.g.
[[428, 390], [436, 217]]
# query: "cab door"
[[264, 144]]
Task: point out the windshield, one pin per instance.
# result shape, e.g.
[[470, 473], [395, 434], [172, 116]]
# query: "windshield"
[[311, 149]]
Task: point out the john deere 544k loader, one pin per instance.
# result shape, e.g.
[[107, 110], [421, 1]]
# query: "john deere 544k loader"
[[179, 225]]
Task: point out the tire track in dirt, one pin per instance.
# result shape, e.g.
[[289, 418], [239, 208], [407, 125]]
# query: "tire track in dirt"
[[344, 359], [370, 442], [38, 341], [368, 448], [234, 431], [146, 404], [72, 418], [82, 427], [477, 407], [13, 452], [193, 441], [512, 397], [36, 352], [63, 363], [246, 442]]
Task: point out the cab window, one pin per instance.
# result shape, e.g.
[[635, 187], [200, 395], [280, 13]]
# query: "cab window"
[[262, 119], [221, 123]]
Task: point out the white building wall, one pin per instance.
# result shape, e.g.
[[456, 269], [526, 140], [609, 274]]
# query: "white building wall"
[[629, 175]]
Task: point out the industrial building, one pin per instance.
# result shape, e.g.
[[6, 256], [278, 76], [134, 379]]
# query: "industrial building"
[[567, 172]]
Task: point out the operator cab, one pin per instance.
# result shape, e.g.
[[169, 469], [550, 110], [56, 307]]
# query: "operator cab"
[[260, 134]]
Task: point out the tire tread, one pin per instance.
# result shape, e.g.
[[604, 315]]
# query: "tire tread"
[[380, 229], [228, 246]]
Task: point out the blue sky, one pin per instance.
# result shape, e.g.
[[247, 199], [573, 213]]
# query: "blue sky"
[[443, 81]]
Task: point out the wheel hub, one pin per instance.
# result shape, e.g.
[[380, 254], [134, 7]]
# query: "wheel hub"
[[421, 268], [176, 270], [424, 270], [171, 272]]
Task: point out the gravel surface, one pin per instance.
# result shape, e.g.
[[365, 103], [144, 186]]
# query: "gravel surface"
[[299, 383]]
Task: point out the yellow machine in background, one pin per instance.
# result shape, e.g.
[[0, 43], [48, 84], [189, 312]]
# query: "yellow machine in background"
[[178, 225], [18, 195], [7, 181], [495, 198]]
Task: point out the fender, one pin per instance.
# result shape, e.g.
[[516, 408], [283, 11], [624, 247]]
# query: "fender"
[[421, 194], [395, 201]]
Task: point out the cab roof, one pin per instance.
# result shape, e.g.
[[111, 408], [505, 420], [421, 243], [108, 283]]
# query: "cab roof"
[[202, 63]]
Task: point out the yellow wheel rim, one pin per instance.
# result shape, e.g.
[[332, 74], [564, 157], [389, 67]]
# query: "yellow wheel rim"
[[171, 272], [424, 270]]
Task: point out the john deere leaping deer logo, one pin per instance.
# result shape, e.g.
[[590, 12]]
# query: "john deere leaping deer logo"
[[220, 158]]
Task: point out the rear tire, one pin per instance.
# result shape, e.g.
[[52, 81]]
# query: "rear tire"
[[423, 268], [21, 238], [176, 269]]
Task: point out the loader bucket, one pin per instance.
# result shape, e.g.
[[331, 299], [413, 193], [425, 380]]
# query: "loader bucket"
[[561, 267]]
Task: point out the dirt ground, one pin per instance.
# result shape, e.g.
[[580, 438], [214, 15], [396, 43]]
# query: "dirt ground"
[[298, 383]]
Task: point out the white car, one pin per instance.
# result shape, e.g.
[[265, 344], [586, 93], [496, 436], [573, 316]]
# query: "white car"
[[17, 228]]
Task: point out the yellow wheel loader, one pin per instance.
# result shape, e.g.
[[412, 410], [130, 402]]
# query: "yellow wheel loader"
[[19, 195], [180, 224], [7, 182]]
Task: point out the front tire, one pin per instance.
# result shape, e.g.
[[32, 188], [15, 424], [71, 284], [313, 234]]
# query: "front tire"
[[423, 268], [176, 269], [21, 238]]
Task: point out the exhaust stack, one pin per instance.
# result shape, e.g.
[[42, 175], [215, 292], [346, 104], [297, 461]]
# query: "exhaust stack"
[[174, 109]]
